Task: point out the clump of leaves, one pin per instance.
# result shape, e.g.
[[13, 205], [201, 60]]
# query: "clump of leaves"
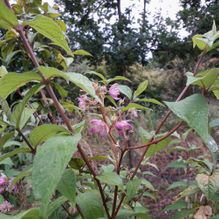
[[40, 142]]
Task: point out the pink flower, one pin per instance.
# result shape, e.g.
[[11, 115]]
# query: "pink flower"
[[82, 102], [123, 126], [99, 127], [2, 190], [6, 207], [114, 91], [3, 180]]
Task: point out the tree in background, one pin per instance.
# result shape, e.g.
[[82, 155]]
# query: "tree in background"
[[101, 27]]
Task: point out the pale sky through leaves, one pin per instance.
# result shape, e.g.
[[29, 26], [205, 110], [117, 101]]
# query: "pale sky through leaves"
[[167, 8]]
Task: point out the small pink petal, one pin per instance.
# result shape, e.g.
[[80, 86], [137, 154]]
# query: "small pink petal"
[[114, 91]]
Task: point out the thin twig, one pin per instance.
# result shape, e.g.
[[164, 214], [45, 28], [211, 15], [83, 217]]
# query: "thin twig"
[[95, 178], [111, 138], [156, 141], [27, 142], [159, 128], [181, 95], [56, 103], [116, 187], [66, 210]]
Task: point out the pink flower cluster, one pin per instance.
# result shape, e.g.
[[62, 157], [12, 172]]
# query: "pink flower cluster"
[[99, 127], [114, 91], [123, 126], [6, 207], [3, 184], [83, 101], [6, 185]]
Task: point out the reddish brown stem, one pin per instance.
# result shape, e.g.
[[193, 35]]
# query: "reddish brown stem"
[[7, 4], [155, 141], [49, 88], [181, 95], [84, 156], [111, 138], [158, 130], [58, 106], [32, 56], [116, 187], [27, 142]]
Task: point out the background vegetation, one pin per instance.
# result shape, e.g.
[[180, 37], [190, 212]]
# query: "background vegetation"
[[101, 117]]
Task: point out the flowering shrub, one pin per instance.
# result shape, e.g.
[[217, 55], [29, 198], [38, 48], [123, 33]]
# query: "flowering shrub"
[[55, 155]]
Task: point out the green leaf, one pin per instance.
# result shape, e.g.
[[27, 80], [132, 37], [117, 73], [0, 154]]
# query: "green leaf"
[[194, 111], [8, 19], [192, 189], [126, 91], [111, 100], [81, 52], [62, 92], [11, 56], [54, 205], [180, 204], [139, 213], [209, 185], [67, 185], [25, 116], [50, 29], [17, 114], [32, 213], [150, 195], [150, 100], [133, 106], [118, 78], [199, 41], [177, 164], [43, 132], [132, 188], [12, 81], [154, 148], [204, 79], [144, 134], [148, 184], [76, 163], [110, 178], [178, 184], [5, 107], [141, 88], [6, 137], [90, 204], [78, 79], [49, 165], [216, 93], [20, 176], [206, 41], [3, 71], [14, 152], [201, 164], [78, 128], [99, 75]]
